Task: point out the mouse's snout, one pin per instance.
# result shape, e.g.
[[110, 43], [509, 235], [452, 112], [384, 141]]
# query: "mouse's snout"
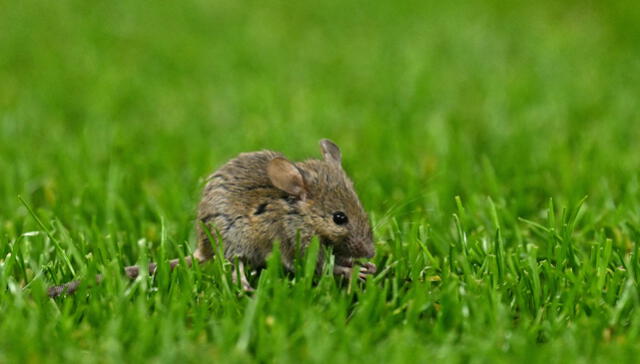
[[362, 248], [369, 251]]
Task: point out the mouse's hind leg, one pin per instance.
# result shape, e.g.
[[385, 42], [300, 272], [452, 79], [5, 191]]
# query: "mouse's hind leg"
[[239, 273]]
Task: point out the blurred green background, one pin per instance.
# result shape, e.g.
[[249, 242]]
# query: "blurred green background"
[[112, 114], [427, 99]]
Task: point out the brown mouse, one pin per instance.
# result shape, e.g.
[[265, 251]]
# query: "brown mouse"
[[261, 197]]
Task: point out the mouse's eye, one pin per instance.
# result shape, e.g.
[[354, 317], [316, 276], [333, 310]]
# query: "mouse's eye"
[[340, 218]]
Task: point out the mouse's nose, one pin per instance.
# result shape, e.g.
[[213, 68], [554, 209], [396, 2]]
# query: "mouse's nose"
[[361, 248], [369, 252]]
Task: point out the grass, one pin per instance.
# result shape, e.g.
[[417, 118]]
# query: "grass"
[[473, 132]]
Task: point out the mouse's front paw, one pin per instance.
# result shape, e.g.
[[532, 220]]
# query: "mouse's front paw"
[[346, 272], [368, 268]]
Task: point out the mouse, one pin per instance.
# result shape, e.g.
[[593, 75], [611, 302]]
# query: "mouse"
[[261, 198]]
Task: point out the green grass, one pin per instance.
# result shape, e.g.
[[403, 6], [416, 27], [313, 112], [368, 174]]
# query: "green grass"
[[473, 131]]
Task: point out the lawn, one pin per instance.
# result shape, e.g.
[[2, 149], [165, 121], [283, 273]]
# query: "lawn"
[[495, 146]]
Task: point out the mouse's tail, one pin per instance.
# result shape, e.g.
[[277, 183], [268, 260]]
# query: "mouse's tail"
[[67, 288], [132, 272]]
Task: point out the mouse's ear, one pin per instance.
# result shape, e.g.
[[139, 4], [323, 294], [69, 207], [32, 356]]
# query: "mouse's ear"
[[285, 176], [331, 152]]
